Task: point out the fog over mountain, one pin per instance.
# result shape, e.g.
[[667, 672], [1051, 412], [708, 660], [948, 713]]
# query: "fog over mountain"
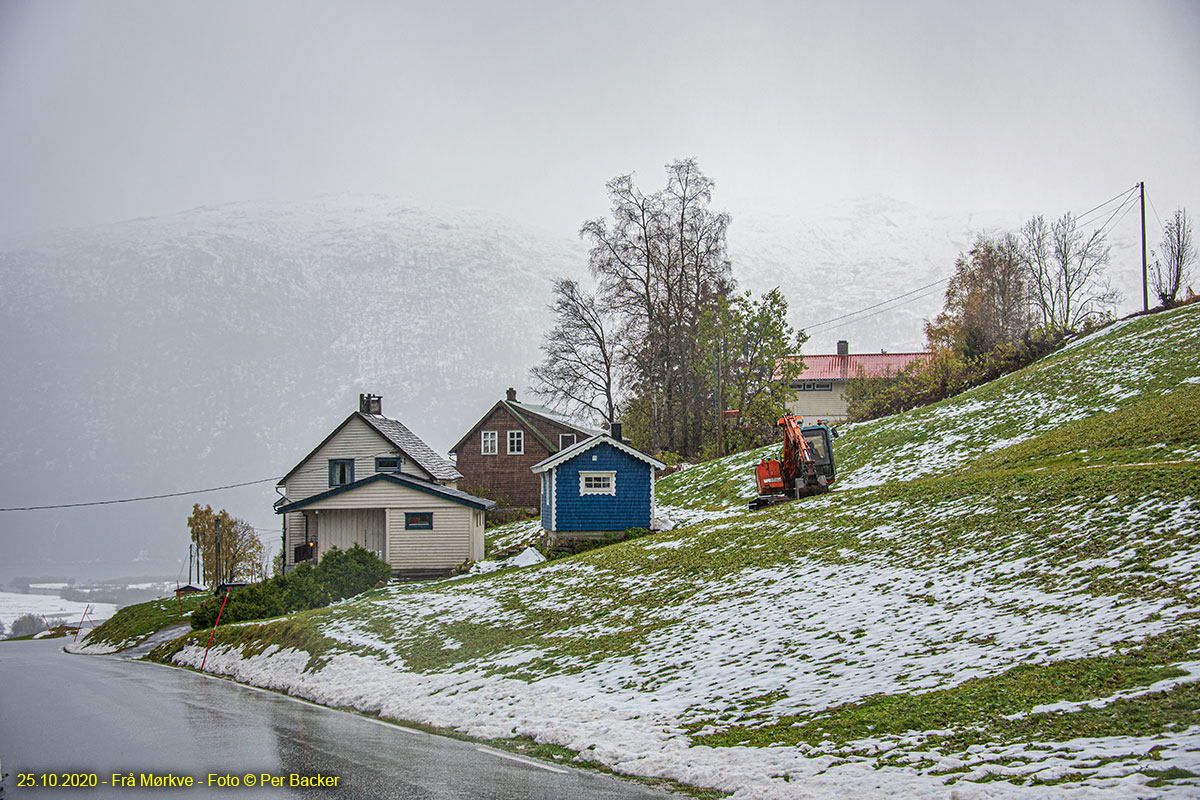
[[219, 345]]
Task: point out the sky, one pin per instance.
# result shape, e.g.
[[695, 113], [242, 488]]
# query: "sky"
[[114, 110]]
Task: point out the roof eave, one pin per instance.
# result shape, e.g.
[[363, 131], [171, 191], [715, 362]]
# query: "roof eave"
[[455, 496]]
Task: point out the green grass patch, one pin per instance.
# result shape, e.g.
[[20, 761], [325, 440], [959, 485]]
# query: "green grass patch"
[[1151, 429], [979, 706], [132, 624]]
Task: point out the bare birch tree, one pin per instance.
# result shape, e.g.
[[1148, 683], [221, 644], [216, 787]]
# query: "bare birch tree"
[[1173, 265], [660, 263], [1066, 272], [579, 370]]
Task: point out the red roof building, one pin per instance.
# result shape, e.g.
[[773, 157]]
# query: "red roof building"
[[820, 389]]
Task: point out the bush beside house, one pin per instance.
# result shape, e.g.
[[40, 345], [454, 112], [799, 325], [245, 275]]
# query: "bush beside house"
[[340, 574]]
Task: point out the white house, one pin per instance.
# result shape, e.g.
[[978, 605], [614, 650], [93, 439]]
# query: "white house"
[[821, 388], [373, 482]]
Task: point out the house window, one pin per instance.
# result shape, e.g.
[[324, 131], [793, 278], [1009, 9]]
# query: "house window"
[[516, 443], [813, 386], [565, 440], [341, 471], [388, 464], [598, 482], [489, 446], [418, 520]]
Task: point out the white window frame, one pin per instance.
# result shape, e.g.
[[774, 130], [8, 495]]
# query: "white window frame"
[[599, 477], [561, 436], [517, 438], [489, 443]]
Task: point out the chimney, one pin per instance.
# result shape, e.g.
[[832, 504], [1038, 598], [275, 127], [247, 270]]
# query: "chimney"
[[512, 395], [370, 404], [843, 347], [615, 432]]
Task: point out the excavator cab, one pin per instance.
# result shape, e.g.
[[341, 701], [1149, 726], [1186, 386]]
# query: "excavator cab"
[[817, 437]]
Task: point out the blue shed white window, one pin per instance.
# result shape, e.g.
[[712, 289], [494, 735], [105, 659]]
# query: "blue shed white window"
[[598, 482]]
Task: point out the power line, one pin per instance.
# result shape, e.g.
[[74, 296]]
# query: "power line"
[[1080, 217], [877, 305], [1128, 202], [884, 310], [1155, 210], [1123, 216], [1125, 197], [175, 494], [138, 499]]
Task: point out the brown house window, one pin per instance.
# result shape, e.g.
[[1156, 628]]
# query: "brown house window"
[[516, 443], [489, 445], [565, 440]]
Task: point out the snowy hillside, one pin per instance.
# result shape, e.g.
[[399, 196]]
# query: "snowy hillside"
[[999, 601]]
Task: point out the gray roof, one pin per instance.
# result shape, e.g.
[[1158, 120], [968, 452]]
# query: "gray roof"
[[394, 431], [554, 416]]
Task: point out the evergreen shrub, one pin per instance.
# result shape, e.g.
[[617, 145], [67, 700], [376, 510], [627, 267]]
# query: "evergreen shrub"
[[341, 574]]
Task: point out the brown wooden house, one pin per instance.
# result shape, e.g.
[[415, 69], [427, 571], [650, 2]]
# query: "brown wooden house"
[[496, 455]]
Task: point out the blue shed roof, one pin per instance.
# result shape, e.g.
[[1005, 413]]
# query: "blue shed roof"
[[588, 444]]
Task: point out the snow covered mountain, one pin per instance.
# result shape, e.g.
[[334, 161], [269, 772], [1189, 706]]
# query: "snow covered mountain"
[[218, 345]]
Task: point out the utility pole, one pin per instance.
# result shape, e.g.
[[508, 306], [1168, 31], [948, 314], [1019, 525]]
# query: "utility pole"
[[1145, 289], [717, 395], [218, 564]]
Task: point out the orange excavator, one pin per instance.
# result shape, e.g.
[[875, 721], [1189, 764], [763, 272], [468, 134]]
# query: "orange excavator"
[[804, 467]]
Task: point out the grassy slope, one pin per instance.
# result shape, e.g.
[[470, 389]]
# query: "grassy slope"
[[1032, 542], [132, 624]]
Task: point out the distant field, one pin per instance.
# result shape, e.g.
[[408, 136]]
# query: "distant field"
[[13, 605]]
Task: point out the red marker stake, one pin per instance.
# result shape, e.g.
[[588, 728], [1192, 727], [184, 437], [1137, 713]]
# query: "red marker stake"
[[214, 630], [179, 598]]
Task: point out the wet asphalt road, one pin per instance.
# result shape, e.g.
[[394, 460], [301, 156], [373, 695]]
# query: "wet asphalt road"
[[61, 713]]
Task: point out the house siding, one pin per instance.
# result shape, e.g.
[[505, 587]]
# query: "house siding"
[[821, 405], [357, 441], [296, 528], [501, 476], [629, 508], [547, 487], [456, 536]]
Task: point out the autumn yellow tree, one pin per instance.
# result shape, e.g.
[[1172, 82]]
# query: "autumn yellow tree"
[[229, 548]]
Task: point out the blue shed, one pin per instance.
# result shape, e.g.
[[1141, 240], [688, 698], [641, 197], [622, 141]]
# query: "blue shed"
[[597, 486]]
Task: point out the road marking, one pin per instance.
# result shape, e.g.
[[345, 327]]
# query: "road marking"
[[529, 761]]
